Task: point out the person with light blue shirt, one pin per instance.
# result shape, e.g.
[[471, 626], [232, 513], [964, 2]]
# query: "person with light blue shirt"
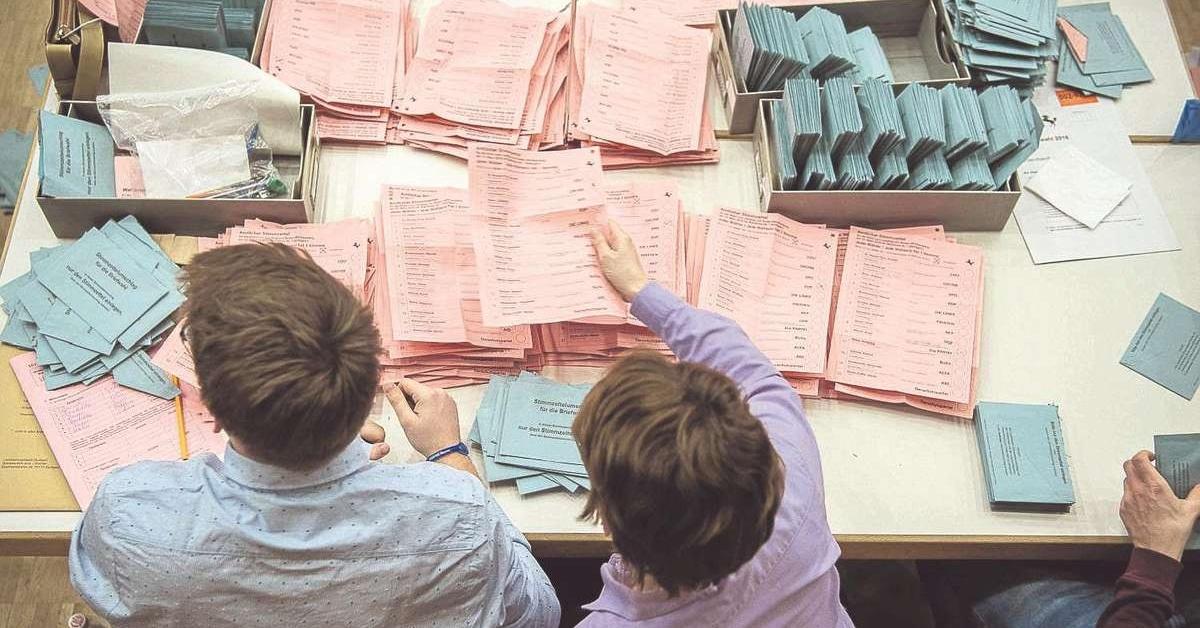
[[295, 525]]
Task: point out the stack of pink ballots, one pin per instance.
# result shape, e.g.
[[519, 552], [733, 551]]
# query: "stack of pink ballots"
[[889, 316], [484, 71], [637, 88], [501, 277], [340, 248], [347, 56]]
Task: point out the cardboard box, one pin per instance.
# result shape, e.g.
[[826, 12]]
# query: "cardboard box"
[[958, 211], [911, 32], [71, 217]]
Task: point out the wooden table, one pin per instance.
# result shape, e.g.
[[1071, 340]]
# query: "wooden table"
[[898, 483]]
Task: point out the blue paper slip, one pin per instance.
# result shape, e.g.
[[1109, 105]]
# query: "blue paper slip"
[[766, 47], [1177, 457], [519, 426], [1166, 347], [537, 426], [114, 278], [1025, 463], [76, 158], [139, 373], [102, 284]]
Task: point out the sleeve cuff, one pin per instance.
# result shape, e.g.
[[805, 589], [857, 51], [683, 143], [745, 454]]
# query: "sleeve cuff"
[[654, 304], [1151, 567]]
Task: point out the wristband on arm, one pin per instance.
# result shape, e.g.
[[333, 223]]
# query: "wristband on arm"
[[456, 448]]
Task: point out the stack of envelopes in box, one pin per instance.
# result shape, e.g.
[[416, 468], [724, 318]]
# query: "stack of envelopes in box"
[[1005, 41], [953, 138], [94, 306]]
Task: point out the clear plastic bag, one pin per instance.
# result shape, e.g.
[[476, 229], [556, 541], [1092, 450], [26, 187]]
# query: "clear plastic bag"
[[201, 143]]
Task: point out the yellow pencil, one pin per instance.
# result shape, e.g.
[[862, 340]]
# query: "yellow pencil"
[[183, 448]]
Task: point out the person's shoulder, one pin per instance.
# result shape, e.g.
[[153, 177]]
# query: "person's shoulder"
[[429, 480], [149, 476]]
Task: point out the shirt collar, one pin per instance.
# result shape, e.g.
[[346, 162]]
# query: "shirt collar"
[[633, 604], [256, 474]]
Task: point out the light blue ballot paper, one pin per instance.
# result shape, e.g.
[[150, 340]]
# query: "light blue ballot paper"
[[1024, 458], [76, 158], [1166, 347], [1177, 457], [102, 284]]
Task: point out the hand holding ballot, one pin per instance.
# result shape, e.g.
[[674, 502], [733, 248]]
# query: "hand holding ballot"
[[1156, 519], [619, 260]]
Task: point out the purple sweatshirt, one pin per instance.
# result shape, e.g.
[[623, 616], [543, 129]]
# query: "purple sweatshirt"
[[791, 581]]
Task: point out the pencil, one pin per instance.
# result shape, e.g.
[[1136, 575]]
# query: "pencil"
[[183, 447]]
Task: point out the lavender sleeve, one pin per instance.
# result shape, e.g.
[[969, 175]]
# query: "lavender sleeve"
[[696, 335]]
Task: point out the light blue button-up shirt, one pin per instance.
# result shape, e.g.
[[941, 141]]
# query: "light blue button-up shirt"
[[353, 543]]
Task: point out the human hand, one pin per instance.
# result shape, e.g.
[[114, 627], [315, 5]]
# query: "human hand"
[[431, 423], [373, 433], [619, 260], [1156, 519]]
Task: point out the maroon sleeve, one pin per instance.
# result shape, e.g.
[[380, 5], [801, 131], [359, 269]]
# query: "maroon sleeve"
[[1145, 595]]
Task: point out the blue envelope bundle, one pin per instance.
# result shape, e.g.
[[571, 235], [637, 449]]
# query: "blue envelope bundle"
[[1025, 462], [771, 45], [1096, 53], [523, 427], [1005, 41], [94, 306], [227, 26], [841, 137]]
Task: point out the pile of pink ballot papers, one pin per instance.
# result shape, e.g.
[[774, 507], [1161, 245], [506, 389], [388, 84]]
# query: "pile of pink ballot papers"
[[889, 316], [637, 88], [340, 248], [502, 276], [469, 72], [466, 71], [93, 429]]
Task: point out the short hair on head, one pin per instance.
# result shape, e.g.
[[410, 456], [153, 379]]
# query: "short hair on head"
[[287, 358], [683, 475]]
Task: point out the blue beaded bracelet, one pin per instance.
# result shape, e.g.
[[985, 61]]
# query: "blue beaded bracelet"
[[457, 448]]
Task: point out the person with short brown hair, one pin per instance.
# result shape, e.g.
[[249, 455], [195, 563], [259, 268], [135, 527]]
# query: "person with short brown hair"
[[705, 473], [295, 524]]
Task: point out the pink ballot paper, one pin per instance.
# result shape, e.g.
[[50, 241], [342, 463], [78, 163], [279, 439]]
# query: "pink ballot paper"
[[525, 184], [95, 429], [173, 357], [644, 78], [536, 269], [907, 316], [774, 277], [339, 51]]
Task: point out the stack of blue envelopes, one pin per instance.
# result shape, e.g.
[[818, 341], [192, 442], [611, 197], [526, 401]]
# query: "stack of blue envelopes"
[[869, 57], [1112, 61], [523, 425], [770, 45], [952, 138], [92, 307], [1025, 462], [228, 26], [1005, 41], [829, 47], [767, 49], [186, 24]]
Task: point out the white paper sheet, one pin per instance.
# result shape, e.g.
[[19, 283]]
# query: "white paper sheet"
[[1080, 186], [1138, 225]]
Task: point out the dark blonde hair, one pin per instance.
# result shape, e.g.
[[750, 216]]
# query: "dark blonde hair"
[[287, 358], [683, 475]]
